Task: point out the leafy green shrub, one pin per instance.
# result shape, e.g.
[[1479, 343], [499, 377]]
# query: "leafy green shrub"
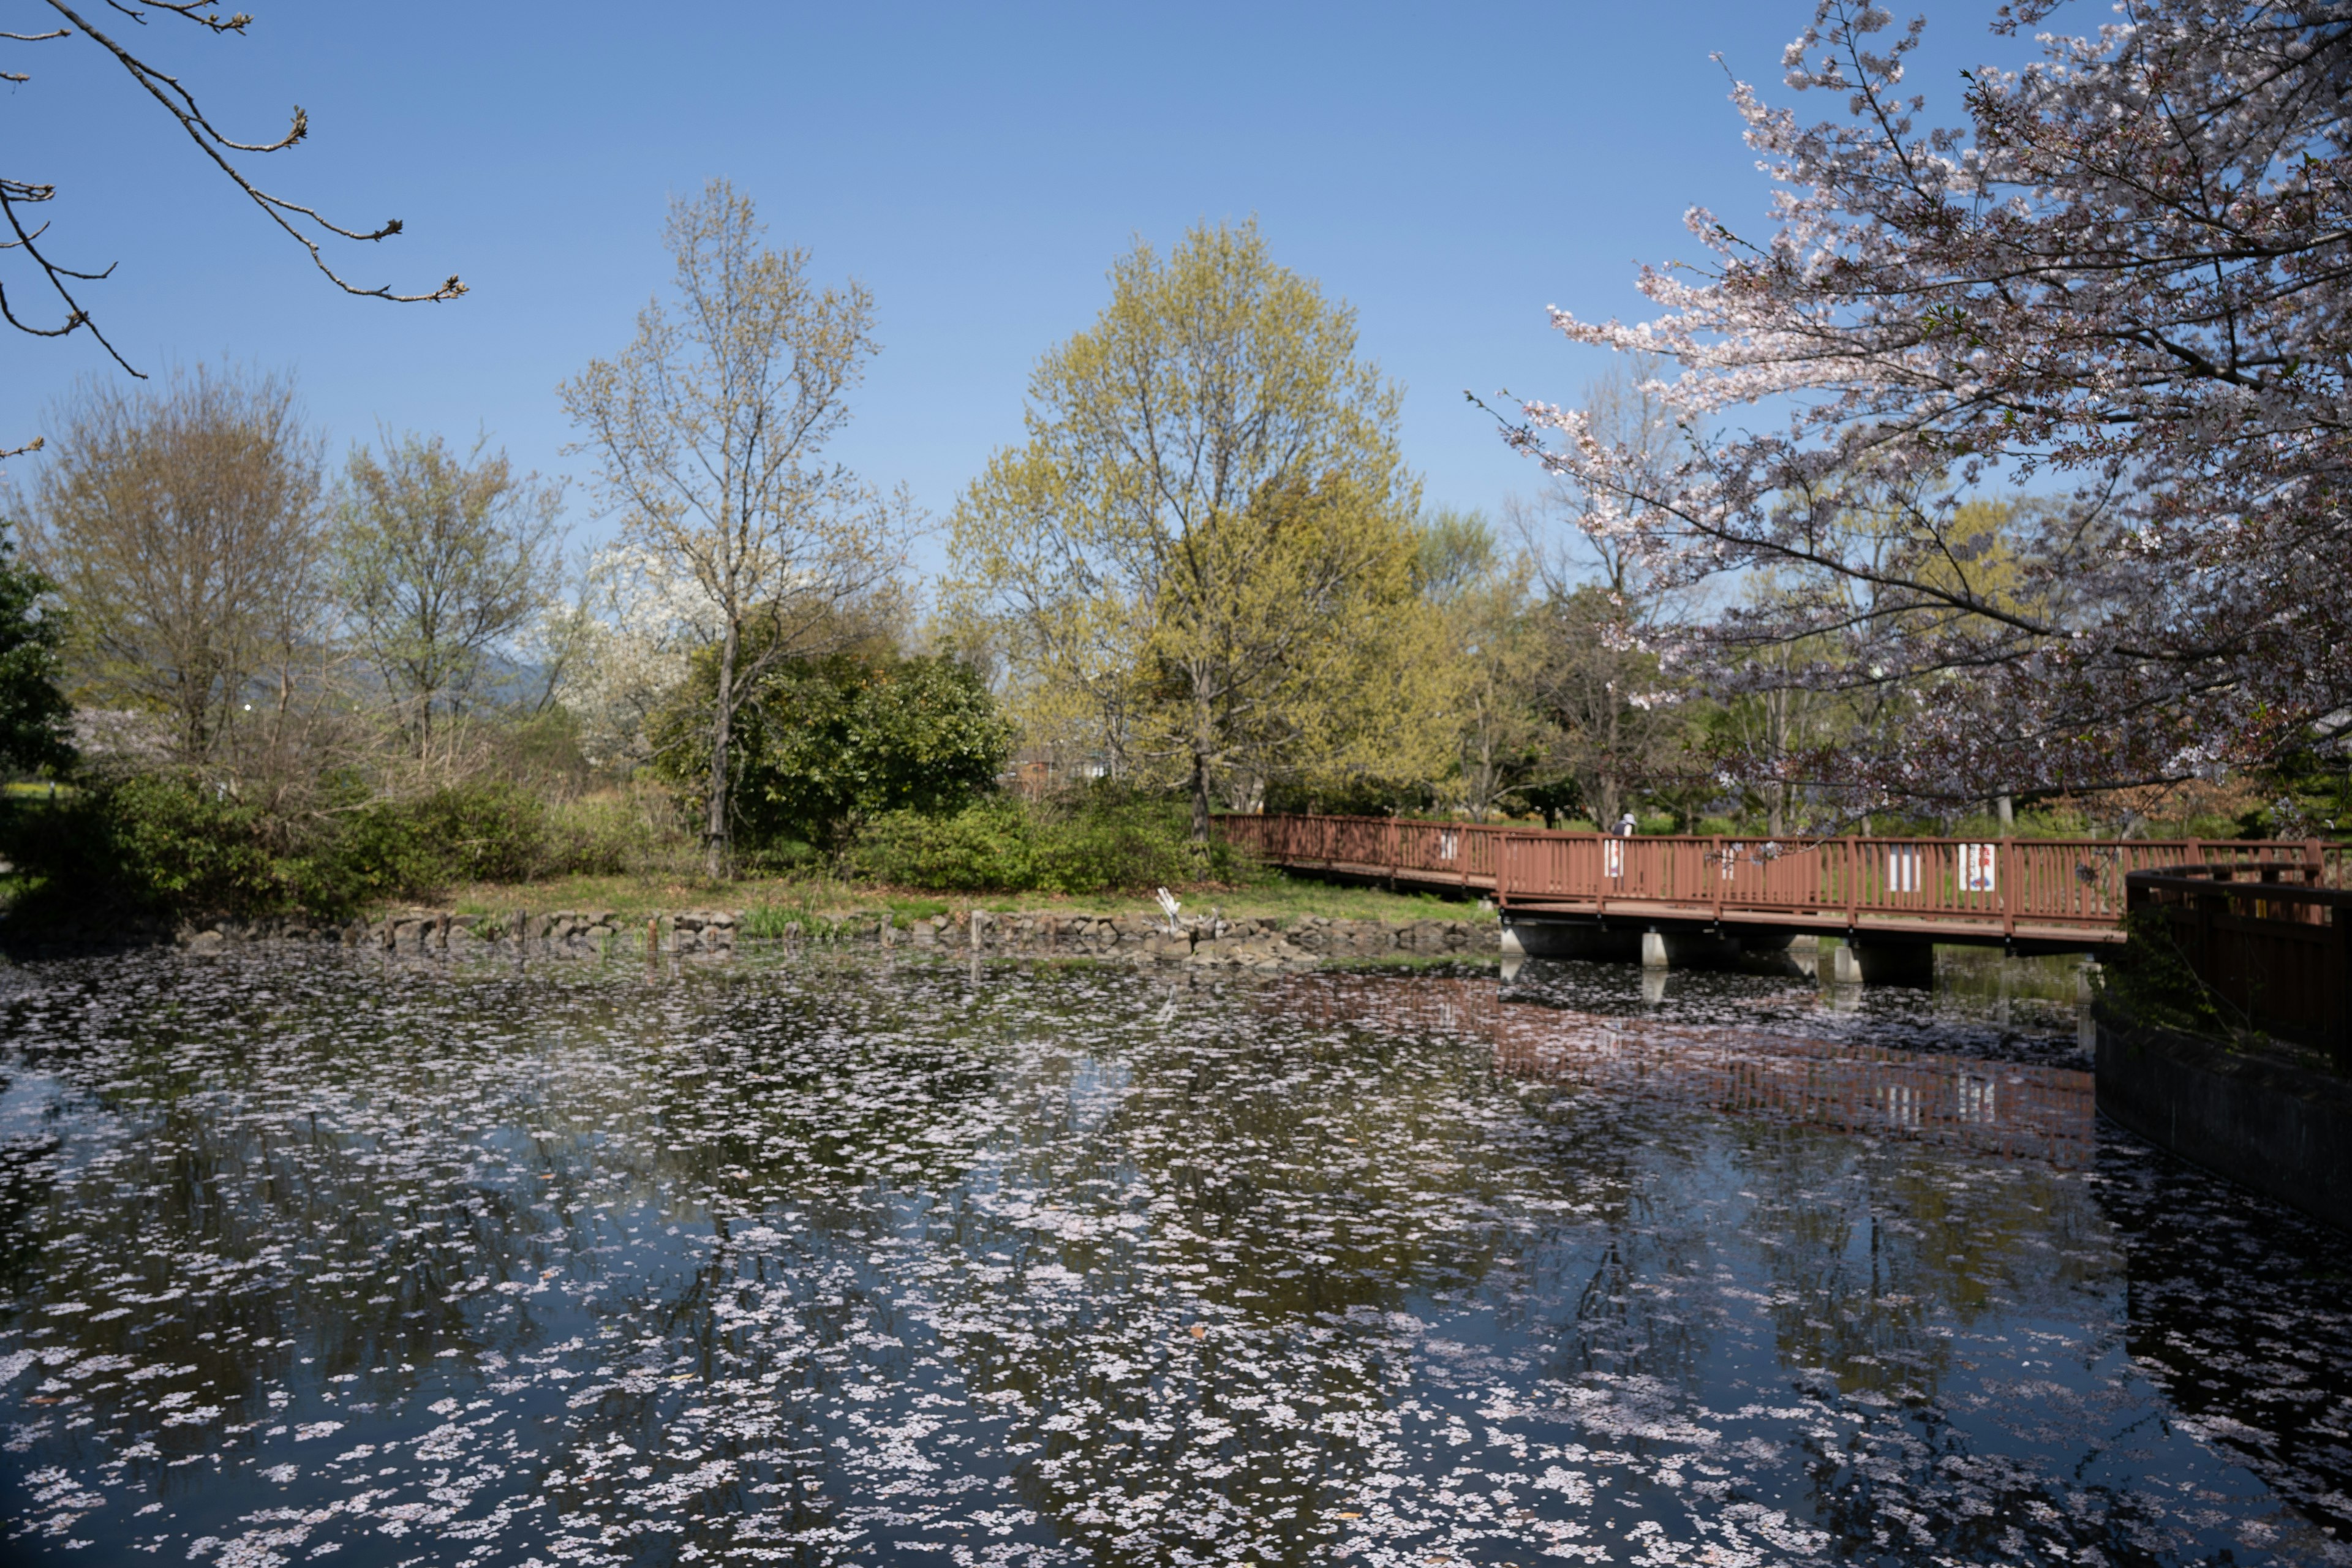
[[985, 847], [825, 743], [477, 831], [152, 844], [489, 831], [1130, 844], [370, 852], [171, 844], [1109, 841]]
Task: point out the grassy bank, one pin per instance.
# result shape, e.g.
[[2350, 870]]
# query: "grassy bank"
[[1274, 897]]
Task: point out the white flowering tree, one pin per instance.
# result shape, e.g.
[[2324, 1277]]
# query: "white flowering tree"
[[620, 646], [2121, 283]]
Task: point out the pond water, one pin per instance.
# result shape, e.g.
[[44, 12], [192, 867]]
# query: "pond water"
[[809, 1261]]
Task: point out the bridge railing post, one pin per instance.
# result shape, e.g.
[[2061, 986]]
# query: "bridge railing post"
[[2005, 880]]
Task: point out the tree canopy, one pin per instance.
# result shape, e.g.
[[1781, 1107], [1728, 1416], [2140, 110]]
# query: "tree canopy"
[[440, 561], [825, 744], [2121, 281], [35, 718], [1199, 564]]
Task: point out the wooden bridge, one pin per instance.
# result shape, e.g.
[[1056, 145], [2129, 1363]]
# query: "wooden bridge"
[[2032, 894]]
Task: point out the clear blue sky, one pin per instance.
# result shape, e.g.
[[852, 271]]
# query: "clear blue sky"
[[1448, 170]]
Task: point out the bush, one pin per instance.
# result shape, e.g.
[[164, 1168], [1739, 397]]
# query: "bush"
[[1107, 842], [825, 743], [2149, 980], [991, 847], [149, 845], [483, 832], [1128, 843], [479, 831], [171, 845]]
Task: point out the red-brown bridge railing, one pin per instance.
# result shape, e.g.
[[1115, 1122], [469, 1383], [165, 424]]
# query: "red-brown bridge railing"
[[2066, 890], [2270, 942]]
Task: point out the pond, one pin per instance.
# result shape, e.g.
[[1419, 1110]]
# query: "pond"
[[804, 1259]]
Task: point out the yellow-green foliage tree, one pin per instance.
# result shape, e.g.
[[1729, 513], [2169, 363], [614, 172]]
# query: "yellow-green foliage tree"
[[1199, 564], [1493, 655]]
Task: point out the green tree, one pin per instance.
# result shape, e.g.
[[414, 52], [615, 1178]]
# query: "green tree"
[[1200, 562], [823, 744], [1617, 720], [35, 717], [710, 430], [1493, 652], [438, 561]]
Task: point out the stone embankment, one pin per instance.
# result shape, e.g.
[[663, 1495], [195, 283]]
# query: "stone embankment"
[[1245, 943], [1142, 939]]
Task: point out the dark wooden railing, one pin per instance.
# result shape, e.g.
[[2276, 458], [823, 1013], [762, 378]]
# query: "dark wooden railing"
[[2036, 889], [2268, 938]]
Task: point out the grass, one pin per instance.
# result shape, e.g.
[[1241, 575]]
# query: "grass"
[[779, 901]]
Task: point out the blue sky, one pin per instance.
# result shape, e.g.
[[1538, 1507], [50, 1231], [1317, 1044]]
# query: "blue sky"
[[1448, 170]]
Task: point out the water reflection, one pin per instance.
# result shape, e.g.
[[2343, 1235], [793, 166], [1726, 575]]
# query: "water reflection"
[[926, 1262], [2032, 1110]]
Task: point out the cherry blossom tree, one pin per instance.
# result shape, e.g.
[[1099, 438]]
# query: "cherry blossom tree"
[[2115, 299]]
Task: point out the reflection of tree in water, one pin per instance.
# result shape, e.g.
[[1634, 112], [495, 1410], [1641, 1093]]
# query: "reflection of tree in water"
[[199, 1199], [380, 1188]]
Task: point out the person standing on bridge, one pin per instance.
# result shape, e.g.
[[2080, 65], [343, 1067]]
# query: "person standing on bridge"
[[1625, 824]]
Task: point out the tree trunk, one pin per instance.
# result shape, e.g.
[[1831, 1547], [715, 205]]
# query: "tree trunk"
[[2007, 811], [716, 858], [1200, 797]]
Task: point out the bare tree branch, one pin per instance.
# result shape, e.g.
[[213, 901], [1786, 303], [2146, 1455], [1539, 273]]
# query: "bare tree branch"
[[179, 103]]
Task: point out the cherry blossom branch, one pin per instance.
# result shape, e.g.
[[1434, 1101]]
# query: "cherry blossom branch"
[[2130, 272], [181, 104]]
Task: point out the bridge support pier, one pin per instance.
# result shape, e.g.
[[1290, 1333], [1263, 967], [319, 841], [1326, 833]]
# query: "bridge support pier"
[[1865, 962], [1688, 950], [1565, 939]]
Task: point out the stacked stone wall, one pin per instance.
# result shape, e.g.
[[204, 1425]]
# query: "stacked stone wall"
[[1140, 938]]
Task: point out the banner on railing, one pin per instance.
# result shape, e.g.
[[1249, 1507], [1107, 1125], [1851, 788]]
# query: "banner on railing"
[[1447, 842], [1977, 863], [1903, 870], [1613, 857]]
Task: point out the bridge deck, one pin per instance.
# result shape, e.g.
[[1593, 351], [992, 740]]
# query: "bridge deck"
[[2062, 893]]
